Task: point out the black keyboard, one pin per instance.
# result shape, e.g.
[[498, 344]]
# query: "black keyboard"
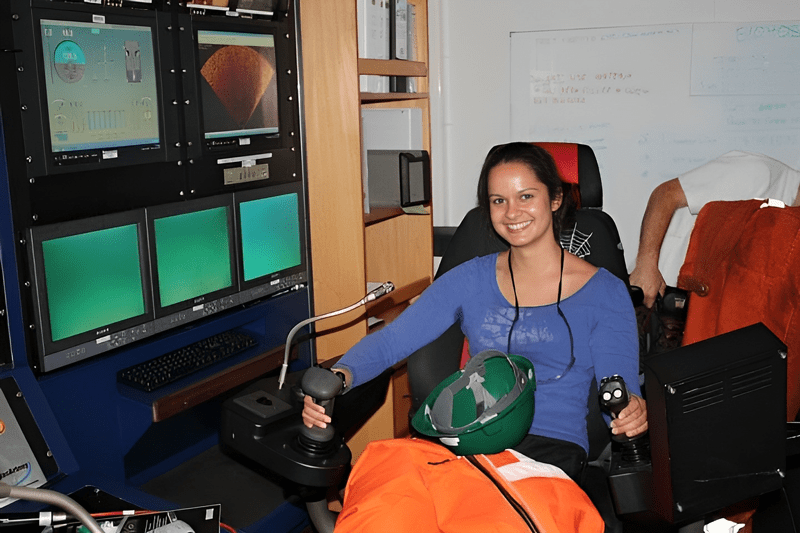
[[165, 369]]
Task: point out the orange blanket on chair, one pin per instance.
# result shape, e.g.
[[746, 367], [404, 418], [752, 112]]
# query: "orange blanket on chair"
[[746, 259], [411, 485]]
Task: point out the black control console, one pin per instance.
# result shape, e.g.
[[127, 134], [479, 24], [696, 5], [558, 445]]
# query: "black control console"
[[263, 423]]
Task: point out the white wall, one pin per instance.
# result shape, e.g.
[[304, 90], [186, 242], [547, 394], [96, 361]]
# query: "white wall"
[[470, 78]]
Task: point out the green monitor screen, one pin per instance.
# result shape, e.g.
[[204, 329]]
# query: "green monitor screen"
[[270, 230], [193, 254], [93, 280]]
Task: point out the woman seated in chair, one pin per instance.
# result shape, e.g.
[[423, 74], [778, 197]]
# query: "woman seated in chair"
[[574, 321]]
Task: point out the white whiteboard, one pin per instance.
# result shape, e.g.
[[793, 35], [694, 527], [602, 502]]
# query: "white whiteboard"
[[656, 101]]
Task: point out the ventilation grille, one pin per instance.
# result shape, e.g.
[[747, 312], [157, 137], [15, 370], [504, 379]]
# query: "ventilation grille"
[[702, 397], [752, 381], [737, 385]]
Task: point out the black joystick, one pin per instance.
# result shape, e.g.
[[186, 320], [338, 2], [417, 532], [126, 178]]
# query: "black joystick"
[[614, 397], [323, 386], [614, 394]]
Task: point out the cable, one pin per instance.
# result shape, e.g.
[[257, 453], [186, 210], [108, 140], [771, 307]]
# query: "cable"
[[53, 498], [226, 527], [374, 294], [560, 313]]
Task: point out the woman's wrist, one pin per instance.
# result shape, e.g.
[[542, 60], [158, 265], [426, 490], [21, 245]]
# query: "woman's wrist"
[[346, 381]]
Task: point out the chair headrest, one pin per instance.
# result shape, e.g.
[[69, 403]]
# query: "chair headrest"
[[577, 164]]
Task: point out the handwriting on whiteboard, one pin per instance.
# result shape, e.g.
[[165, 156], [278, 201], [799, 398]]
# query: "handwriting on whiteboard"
[[562, 88]]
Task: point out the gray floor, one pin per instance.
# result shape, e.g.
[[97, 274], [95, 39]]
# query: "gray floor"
[[212, 477]]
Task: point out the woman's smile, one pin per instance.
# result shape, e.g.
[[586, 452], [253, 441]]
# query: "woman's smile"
[[519, 225]]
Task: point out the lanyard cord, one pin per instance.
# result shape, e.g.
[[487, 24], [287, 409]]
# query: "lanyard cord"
[[560, 313]]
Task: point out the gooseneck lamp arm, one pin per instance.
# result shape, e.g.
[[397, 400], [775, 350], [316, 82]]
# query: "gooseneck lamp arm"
[[374, 294], [53, 498]]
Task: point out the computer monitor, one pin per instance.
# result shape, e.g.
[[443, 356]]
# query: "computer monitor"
[[101, 85], [238, 86], [98, 77], [246, 93], [271, 240], [91, 286], [193, 259]]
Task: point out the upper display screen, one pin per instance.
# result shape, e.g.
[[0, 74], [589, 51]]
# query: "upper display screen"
[[101, 85], [238, 85]]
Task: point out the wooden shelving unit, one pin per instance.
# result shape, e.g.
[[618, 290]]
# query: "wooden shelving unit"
[[392, 67], [349, 249], [392, 97]]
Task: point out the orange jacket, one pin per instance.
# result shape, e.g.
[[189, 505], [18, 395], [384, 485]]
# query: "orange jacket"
[[411, 485], [742, 265]]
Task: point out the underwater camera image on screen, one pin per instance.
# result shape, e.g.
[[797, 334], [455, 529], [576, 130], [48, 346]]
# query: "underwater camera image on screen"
[[101, 84], [238, 85]]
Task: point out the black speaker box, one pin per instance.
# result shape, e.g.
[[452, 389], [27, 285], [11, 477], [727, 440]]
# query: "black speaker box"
[[717, 416]]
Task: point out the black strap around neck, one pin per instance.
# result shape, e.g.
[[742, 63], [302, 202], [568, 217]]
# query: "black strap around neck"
[[558, 309]]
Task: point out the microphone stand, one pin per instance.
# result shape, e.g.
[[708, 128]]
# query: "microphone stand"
[[374, 294]]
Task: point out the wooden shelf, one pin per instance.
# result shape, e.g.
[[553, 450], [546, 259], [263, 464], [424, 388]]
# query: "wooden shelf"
[[197, 393], [387, 97], [392, 67], [377, 214]]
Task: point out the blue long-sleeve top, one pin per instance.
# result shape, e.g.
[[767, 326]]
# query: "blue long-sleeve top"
[[600, 315]]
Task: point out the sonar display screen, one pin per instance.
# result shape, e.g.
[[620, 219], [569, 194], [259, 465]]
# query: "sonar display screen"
[[101, 85], [238, 85]]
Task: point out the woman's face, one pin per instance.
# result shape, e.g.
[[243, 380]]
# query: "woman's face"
[[519, 204]]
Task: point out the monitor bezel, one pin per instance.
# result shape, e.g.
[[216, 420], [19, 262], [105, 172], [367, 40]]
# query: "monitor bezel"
[[272, 191], [40, 234], [285, 75], [182, 208], [37, 137]]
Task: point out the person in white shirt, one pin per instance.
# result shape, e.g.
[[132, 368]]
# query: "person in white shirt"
[[674, 205]]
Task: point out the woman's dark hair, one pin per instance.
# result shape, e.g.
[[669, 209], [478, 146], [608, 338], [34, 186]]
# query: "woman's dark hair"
[[541, 163]]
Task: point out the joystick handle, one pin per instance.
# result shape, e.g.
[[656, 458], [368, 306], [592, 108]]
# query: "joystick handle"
[[322, 386], [613, 394], [614, 397]]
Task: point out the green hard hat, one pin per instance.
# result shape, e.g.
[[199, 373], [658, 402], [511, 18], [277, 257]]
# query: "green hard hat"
[[484, 408]]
